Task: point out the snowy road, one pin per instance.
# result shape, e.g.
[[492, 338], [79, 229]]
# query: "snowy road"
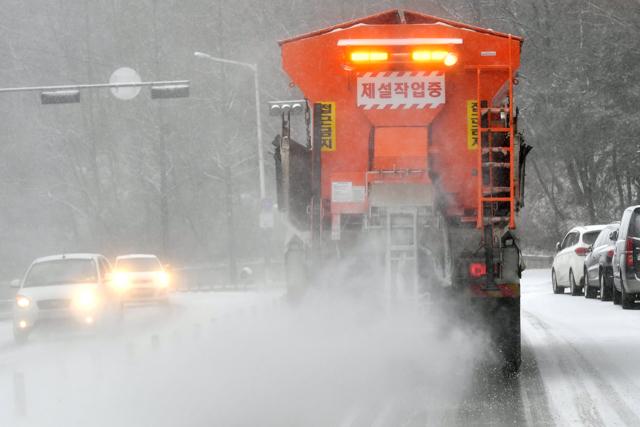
[[579, 369], [586, 352], [80, 378], [247, 359]]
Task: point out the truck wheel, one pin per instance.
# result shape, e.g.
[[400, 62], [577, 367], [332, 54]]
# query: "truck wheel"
[[556, 289], [605, 291], [626, 300], [575, 289], [508, 334]]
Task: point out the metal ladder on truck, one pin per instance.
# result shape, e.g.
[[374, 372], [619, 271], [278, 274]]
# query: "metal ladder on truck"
[[496, 181], [397, 229], [401, 256]]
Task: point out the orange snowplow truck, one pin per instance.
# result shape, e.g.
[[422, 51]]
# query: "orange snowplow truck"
[[412, 174]]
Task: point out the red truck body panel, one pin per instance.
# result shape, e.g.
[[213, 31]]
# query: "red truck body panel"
[[406, 136]]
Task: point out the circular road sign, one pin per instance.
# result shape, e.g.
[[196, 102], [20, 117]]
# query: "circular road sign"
[[125, 75]]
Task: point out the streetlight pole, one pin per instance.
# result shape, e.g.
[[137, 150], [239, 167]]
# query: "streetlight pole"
[[254, 69], [259, 130], [263, 192]]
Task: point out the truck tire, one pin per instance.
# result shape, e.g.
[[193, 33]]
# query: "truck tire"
[[508, 335], [605, 291], [554, 284]]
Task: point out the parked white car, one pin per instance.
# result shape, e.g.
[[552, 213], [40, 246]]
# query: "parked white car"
[[568, 264], [69, 289], [141, 277]]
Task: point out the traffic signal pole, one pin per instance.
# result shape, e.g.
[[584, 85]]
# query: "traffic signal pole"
[[65, 94], [159, 89]]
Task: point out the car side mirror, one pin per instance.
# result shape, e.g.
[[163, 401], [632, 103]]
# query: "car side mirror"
[[613, 235], [558, 247], [15, 283]]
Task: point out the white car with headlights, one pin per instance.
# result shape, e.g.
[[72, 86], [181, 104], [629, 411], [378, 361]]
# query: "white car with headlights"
[[141, 277], [69, 289]]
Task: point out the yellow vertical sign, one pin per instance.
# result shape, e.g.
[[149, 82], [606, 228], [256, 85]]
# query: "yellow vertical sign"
[[472, 124], [328, 126]]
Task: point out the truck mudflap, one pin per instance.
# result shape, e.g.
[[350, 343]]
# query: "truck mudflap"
[[505, 290]]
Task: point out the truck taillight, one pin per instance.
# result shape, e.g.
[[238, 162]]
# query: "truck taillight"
[[581, 251], [629, 250], [477, 269], [610, 253]]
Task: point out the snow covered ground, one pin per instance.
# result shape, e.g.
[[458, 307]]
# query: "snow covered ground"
[[587, 353], [248, 359]]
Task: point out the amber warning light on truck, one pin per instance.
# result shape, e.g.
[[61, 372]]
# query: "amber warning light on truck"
[[447, 58], [420, 56], [369, 56], [415, 50]]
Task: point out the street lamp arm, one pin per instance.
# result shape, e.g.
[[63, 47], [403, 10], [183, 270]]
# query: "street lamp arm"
[[225, 61], [256, 83]]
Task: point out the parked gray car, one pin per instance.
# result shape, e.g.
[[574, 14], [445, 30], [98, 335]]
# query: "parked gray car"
[[626, 261], [598, 272]]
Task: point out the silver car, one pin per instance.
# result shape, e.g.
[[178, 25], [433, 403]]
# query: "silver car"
[[142, 277]]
